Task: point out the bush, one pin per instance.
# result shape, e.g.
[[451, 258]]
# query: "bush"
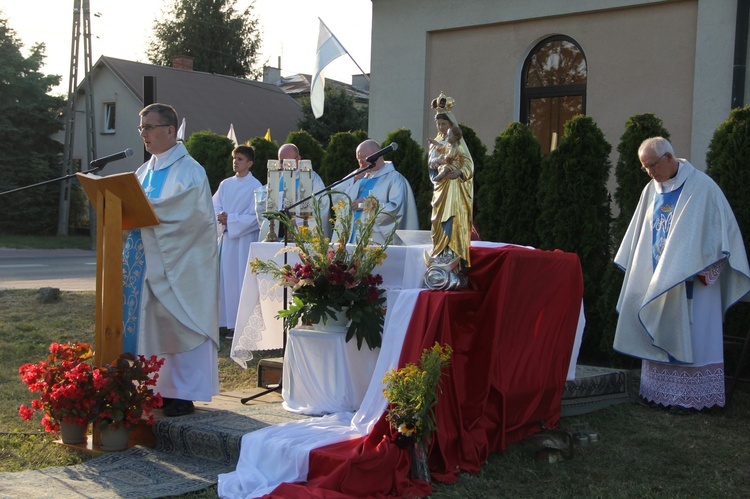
[[478, 153], [309, 148], [575, 213], [410, 159], [214, 153], [264, 150], [340, 158], [506, 210]]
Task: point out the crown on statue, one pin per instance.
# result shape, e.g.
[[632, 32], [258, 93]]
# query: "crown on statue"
[[442, 103]]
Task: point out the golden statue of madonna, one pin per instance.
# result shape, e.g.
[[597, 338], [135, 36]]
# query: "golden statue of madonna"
[[451, 170]]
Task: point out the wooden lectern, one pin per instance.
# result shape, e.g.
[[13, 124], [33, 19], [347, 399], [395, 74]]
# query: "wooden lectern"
[[120, 204]]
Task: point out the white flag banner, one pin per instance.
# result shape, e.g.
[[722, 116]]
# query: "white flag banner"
[[329, 49], [181, 131], [231, 136]]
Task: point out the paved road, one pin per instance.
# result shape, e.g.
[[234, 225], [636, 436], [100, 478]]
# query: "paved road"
[[67, 269]]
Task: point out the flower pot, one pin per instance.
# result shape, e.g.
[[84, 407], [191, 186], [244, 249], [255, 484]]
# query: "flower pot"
[[338, 324], [114, 440], [72, 433]]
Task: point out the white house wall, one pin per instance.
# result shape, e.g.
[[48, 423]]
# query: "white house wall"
[[671, 58]]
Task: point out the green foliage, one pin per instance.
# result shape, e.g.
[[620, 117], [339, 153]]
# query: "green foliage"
[[478, 152], [219, 39], [575, 213], [726, 162], [214, 153], [630, 178], [410, 159], [340, 115], [28, 154], [507, 212], [309, 147], [264, 150], [340, 158]]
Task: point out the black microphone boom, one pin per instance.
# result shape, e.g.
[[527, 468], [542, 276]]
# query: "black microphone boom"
[[374, 157], [100, 162]]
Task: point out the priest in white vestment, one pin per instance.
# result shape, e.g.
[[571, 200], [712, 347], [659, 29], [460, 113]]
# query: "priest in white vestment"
[[234, 205], [685, 265], [389, 187], [291, 151], [171, 270]]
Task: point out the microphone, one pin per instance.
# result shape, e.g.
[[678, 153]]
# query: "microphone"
[[374, 157], [100, 162]]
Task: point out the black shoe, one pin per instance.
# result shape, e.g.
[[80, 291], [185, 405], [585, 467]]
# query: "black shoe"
[[165, 401], [647, 403], [179, 407]]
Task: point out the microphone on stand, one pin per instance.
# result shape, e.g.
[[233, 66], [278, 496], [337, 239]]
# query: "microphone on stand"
[[100, 162], [374, 156]]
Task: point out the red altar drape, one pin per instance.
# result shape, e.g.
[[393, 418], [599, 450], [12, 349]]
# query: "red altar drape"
[[512, 336]]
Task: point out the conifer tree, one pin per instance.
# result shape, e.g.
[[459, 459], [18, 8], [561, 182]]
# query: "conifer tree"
[[340, 157], [410, 159], [214, 153], [309, 147], [264, 150]]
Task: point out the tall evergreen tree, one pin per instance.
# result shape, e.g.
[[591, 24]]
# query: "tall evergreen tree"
[[309, 148], [575, 213], [508, 208], [218, 38], [264, 150], [410, 159], [478, 152], [28, 154], [340, 158], [341, 115]]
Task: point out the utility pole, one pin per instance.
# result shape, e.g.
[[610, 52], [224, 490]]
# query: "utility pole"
[[81, 15]]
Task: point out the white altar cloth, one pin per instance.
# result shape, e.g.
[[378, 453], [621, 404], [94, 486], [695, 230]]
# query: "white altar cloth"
[[261, 299], [325, 374]]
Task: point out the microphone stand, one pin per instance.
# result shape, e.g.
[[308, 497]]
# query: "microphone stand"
[[285, 332], [59, 179]]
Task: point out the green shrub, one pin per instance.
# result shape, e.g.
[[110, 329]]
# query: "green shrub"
[[309, 147], [340, 158], [264, 150], [214, 153], [410, 159]]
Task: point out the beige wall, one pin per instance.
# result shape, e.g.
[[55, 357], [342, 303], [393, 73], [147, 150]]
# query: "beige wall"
[[671, 58]]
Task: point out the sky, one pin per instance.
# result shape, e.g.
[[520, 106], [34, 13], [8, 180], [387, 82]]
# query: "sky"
[[122, 29]]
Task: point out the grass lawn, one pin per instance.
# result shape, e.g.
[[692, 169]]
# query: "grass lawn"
[[642, 452]]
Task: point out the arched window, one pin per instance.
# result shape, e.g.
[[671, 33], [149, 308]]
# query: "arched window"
[[553, 87]]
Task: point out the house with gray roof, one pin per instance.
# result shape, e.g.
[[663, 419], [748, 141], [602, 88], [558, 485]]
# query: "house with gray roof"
[[206, 101]]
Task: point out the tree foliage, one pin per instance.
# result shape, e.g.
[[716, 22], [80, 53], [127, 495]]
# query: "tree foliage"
[[214, 153], [28, 154], [218, 38], [340, 157], [410, 159], [575, 213], [506, 210], [264, 150], [309, 148], [478, 152], [726, 162], [340, 115]]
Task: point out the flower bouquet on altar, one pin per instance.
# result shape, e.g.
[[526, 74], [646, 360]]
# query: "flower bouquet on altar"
[[412, 393], [126, 392], [66, 385], [332, 279]]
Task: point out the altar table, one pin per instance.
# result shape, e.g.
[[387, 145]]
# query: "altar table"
[[325, 374]]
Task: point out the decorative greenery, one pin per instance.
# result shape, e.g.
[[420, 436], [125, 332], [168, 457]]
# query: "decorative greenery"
[[412, 392], [125, 390], [333, 278], [66, 384]]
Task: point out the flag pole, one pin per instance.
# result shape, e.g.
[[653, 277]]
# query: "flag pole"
[[347, 52]]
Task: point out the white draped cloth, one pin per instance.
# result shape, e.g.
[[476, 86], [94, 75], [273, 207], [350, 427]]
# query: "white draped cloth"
[[394, 194], [178, 312], [235, 197], [677, 336], [277, 454]]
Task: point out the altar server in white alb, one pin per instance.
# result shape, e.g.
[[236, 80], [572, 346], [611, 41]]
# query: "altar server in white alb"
[[389, 187], [685, 265], [234, 205], [171, 270]]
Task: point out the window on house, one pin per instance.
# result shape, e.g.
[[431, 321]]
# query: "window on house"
[[109, 117], [553, 88]]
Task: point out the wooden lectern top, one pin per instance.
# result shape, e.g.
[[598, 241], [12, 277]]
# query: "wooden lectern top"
[[136, 208]]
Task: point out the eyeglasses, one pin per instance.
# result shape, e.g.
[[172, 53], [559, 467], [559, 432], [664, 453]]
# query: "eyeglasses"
[[148, 128], [653, 165]]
